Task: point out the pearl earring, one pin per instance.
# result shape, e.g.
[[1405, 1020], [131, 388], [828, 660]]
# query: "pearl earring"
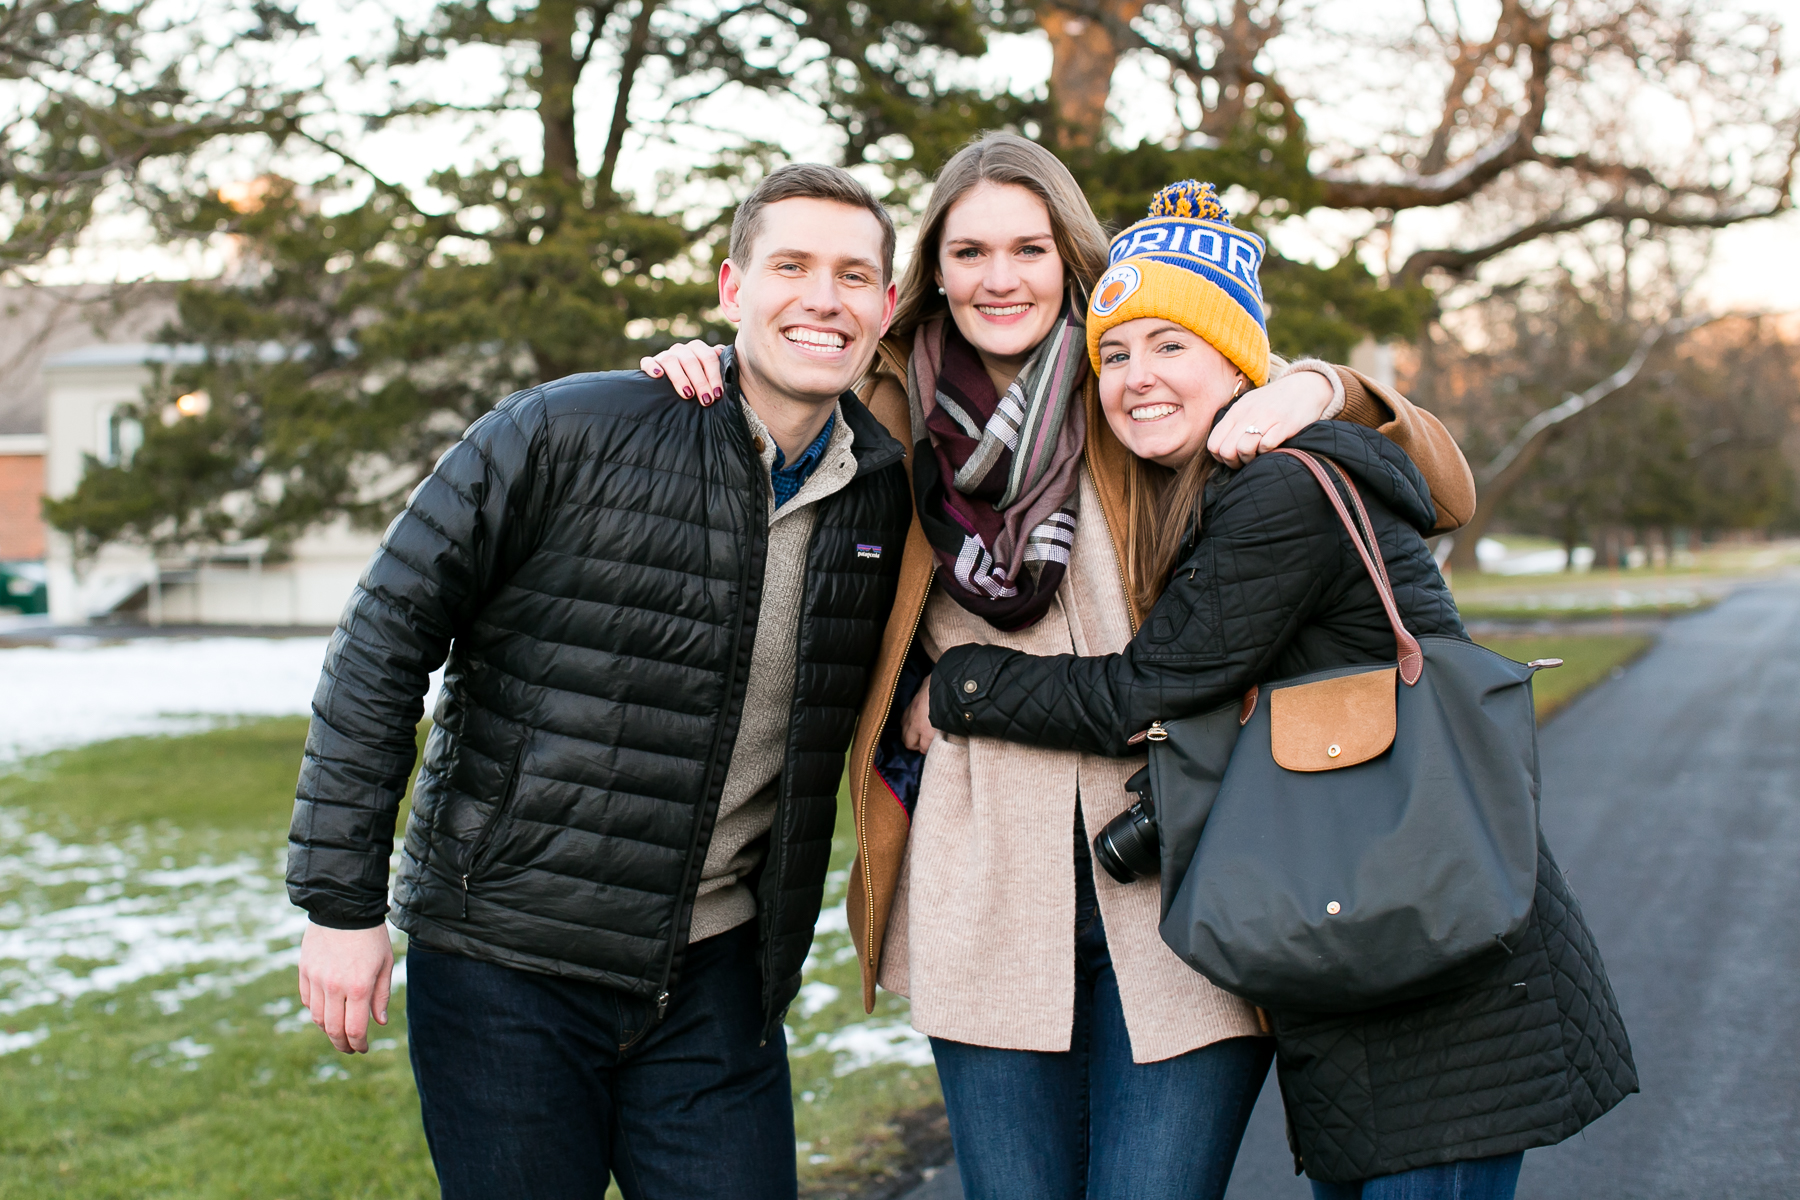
[[940, 290]]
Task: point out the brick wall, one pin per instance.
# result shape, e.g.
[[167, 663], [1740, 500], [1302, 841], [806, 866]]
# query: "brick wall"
[[21, 520]]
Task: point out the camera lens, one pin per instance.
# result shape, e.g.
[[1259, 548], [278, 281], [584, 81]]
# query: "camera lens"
[[1128, 847]]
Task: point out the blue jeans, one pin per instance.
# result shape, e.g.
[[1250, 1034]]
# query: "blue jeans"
[[539, 1088], [1471, 1179], [1089, 1122]]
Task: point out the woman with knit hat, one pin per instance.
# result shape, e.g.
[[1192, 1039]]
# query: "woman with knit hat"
[[1248, 576], [1078, 1055]]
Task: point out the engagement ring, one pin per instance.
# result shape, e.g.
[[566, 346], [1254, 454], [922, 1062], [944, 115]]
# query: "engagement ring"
[[1253, 429]]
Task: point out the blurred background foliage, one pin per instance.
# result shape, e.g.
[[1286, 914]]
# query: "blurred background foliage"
[[360, 322]]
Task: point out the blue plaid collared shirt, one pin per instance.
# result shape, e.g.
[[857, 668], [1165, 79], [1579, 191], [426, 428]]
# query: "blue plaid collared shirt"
[[788, 480]]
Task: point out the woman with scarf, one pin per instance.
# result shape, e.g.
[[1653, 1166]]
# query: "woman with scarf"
[[1251, 577], [1078, 1055]]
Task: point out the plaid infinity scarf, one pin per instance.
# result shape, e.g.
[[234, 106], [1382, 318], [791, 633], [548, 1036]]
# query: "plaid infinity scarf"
[[995, 476]]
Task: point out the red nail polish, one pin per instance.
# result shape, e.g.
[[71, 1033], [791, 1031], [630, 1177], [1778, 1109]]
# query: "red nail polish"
[[718, 393], [688, 392]]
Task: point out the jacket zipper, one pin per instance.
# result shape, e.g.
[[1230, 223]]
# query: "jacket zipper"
[[662, 995], [712, 766], [487, 831], [870, 949], [776, 843]]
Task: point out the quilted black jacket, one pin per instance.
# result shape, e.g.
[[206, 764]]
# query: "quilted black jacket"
[[1528, 1052], [589, 558]]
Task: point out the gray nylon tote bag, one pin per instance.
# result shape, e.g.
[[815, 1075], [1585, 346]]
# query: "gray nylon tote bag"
[[1350, 838]]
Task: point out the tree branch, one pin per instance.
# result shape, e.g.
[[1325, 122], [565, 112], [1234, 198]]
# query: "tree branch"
[[1526, 33], [1459, 262], [1496, 481], [635, 50], [1576, 403], [398, 191]]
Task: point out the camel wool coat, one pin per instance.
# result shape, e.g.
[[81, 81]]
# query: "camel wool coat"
[[963, 891]]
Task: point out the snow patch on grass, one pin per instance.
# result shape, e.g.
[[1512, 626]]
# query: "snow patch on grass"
[[82, 919], [835, 919], [872, 1042], [814, 997], [187, 1048], [12, 1043], [83, 690]]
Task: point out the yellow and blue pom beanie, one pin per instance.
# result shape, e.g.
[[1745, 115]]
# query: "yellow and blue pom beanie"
[[1186, 262]]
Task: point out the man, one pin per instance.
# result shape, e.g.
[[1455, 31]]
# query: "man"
[[658, 619]]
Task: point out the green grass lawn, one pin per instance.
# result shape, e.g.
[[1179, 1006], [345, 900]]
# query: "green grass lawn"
[[151, 1043]]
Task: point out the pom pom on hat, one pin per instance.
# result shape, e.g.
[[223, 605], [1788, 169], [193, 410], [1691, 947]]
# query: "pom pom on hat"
[[1189, 198]]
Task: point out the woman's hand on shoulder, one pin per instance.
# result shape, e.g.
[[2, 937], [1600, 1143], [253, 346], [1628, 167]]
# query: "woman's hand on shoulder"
[[1268, 416], [691, 367]]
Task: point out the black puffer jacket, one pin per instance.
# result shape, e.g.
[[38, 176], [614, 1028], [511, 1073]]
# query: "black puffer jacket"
[[1525, 1055], [590, 558]]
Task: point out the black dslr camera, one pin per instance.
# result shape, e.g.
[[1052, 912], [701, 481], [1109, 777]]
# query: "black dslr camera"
[[1128, 847]]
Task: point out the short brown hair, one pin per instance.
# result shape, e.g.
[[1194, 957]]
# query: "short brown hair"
[[1003, 158], [808, 181]]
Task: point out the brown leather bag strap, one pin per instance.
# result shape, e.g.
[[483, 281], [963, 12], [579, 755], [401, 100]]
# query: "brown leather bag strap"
[[1412, 659], [1362, 518]]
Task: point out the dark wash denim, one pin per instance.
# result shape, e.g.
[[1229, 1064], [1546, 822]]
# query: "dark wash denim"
[[1088, 1122], [538, 1088], [1472, 1179]]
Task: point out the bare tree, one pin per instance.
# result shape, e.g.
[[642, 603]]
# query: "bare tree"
[[1536, 108]]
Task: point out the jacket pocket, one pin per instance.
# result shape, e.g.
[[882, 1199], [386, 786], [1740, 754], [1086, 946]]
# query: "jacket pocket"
[[1185, 622], [487, 840]]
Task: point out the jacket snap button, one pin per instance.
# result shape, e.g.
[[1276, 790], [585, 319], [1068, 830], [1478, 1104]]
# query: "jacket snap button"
[[758, 443], [1333, 908], [969, 686], [968, 716], [1334, 751]]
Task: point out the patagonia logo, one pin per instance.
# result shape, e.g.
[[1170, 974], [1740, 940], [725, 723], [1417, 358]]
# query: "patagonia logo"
[[1115, 287], [867, 550]]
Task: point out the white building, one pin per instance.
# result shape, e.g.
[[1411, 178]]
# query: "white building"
[[85, 391]]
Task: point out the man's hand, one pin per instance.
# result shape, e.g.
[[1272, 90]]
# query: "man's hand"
[[916, 731], [1276, 412], [344, 975], [693, 369]]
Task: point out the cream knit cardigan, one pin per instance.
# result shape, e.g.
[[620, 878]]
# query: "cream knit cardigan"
[[982, 937]]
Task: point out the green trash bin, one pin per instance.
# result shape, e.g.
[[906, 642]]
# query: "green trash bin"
[[24, 588]]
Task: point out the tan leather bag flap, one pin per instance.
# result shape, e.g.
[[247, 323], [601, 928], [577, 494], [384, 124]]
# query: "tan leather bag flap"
[[1332, 723]]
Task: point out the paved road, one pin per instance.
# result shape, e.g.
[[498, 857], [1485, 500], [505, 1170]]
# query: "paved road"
[[1672, 799]]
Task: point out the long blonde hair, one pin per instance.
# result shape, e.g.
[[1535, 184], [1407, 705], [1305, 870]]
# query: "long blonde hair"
[[1162, 507], [1000, 158]]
